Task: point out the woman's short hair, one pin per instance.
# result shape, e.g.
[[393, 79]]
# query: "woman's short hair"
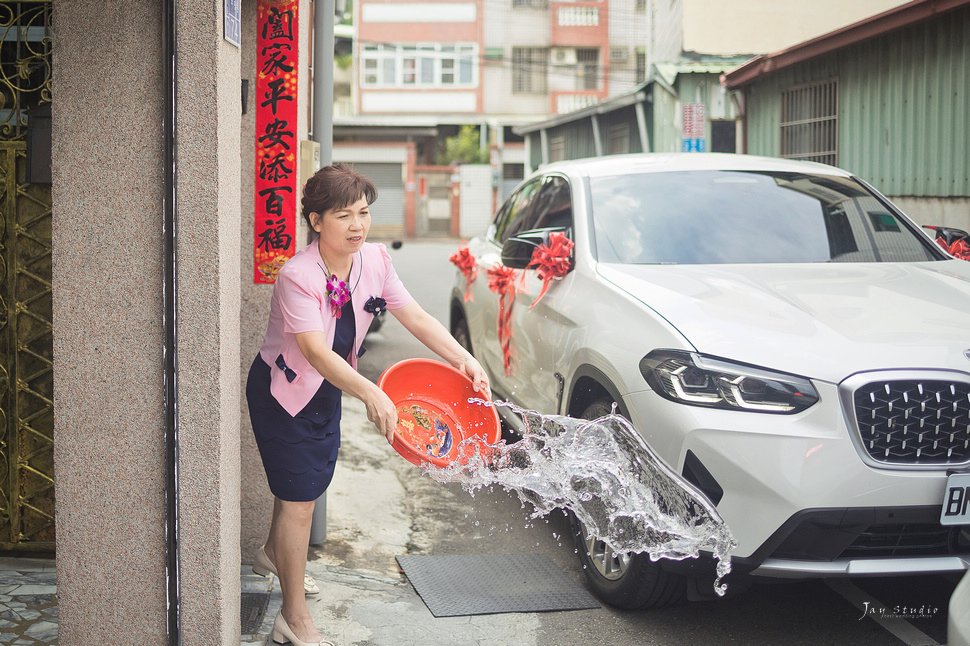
[[335, 187]]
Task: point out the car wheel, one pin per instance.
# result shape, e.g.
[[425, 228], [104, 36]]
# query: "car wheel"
[[628, 581]]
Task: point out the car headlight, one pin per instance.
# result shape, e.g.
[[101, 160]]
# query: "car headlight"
[[690, 378]]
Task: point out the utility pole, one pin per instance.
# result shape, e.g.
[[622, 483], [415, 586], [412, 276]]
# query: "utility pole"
[[324, 13]]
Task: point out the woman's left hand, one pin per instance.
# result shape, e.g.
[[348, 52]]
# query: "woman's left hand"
[[476, 373]]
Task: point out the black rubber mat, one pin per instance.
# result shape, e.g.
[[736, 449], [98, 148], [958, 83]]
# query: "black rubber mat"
[[482, 584], [252, 607]]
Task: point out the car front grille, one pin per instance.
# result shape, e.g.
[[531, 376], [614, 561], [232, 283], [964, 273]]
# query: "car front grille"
[[866, 533], [914, 422], [885, 541]]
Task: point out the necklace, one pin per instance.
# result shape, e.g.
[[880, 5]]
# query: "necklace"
[[338, 293]]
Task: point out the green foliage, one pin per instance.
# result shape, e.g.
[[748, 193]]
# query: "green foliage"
[[463, 148], [343, 61], [346, 17]]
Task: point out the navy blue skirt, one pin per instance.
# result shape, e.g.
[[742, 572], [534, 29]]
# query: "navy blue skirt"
[[299, 453]]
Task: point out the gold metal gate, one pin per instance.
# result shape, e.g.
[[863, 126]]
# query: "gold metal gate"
[[26, 339]]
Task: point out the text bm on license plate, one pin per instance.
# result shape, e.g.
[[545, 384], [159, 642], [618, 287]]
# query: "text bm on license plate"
[[956, 500]]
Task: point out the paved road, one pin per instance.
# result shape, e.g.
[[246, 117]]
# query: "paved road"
[[448, 521]]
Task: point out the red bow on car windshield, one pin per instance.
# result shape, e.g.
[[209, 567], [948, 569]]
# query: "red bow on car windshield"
[[468, 266], [551, 261], [501, 280]]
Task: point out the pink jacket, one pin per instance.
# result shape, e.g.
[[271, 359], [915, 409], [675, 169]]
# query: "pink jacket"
[[299, 305]]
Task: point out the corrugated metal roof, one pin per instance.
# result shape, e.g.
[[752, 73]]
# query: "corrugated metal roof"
[[877, 25], [902, 105], [635, 95], [664, 73], [669, 71]]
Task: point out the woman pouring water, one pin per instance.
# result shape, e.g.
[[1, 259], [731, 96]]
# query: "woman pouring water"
[[323, 301]]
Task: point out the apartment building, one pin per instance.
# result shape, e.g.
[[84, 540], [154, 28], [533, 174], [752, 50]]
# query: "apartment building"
[[682, 106], [424, 68], [497, 60]]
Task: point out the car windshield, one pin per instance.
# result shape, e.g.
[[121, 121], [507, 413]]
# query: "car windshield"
[[711, 217]]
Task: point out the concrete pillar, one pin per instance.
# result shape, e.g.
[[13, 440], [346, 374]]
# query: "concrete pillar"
[[256, 501], [208, 162], [108, 335]]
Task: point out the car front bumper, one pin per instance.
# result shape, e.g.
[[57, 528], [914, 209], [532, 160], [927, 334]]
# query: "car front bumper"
[[799, 498]]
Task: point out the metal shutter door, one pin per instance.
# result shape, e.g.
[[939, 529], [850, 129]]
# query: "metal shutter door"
[[387, 213]]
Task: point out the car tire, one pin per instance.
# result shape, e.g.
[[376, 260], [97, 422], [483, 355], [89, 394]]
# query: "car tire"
[[626, 581]]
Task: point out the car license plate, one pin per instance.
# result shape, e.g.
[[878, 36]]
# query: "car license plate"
[[956, 500]]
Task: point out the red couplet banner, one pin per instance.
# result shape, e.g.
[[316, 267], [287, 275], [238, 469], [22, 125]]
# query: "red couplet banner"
[[277, 41]]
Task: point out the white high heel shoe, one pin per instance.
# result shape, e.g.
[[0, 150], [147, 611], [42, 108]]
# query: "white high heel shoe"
[[283, 635], [263, 567]]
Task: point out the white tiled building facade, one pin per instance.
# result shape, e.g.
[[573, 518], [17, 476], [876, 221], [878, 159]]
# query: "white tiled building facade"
[[498, 59]]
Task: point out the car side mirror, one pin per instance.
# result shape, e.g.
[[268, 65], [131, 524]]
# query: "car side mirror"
[[517, 250], [950, 234]]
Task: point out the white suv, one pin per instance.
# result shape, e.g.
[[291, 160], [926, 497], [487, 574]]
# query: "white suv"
[[777, 331]]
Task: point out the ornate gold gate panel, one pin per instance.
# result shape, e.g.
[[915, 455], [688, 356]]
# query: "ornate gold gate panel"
[[26, 356]]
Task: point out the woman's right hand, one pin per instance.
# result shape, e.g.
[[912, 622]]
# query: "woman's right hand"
[[381, 412]]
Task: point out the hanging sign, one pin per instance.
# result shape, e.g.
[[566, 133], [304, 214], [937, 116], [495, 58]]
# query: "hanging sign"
[[692, 128], [277, 38], [231, 24]]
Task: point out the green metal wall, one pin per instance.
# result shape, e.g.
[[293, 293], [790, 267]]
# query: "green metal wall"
[[904, 107], [624, 116], [579, 138], [664, 133], [535, 149]]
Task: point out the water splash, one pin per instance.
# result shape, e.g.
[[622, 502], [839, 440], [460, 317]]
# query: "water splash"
[[605, 474]]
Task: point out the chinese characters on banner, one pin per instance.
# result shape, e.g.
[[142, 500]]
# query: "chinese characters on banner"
[[277, 38], [692, 140]]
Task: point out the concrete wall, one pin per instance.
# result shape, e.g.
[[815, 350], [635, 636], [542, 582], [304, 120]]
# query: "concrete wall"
[[506, 27], [938, 211], [665, 30], [628, 29], [108, 415], [256, 501], [759, 27], [208, 332], [110, 454], [475, 207]]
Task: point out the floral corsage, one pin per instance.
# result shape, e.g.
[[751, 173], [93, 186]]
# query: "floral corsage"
[[337, 295]]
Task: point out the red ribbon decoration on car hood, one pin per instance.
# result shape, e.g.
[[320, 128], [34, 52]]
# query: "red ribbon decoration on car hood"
[[468, 266], [501, 280], [552, 262]]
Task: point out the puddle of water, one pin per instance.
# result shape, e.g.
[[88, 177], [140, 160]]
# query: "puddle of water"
[[604, 472]]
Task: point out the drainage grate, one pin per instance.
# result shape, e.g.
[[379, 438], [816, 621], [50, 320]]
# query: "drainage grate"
[[252, 608], [456, 585]]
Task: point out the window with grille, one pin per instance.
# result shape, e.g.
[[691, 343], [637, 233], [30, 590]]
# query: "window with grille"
[[530, 66], [531, 4], [422, 65], [578, 16], [587, 68], [809, 122], [641, 65]]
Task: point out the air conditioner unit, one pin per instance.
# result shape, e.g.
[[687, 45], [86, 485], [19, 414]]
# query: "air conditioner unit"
[[563, 55], [619, 54]]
